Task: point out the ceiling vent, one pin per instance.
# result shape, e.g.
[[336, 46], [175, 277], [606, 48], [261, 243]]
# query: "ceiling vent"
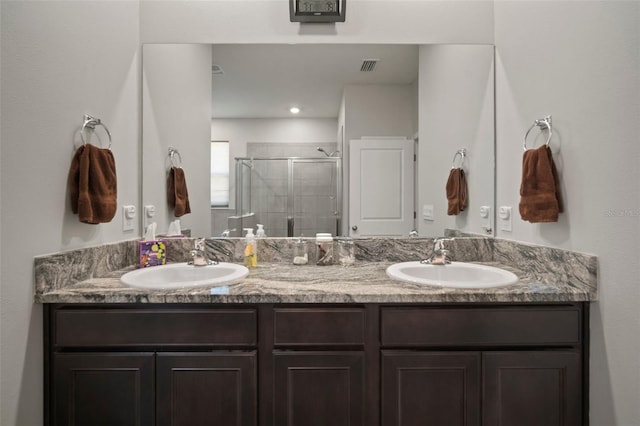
[[216, 69], [368, 65]]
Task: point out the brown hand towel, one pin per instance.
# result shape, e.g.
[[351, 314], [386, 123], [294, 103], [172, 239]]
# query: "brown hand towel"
[[177, 194], [456, 191], [93, 184], [539, 191]]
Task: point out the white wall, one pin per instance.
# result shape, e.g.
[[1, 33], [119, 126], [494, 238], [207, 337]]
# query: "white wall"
[[59, 60], [579, 61], [575, 60], [374, 110], [239, 131], [267, 21], [379, 110], [456, 92], [176, 112]]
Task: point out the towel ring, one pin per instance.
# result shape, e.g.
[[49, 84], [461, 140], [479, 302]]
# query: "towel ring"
[[543, 123], [91, 123], [462, 153], [172, 153]]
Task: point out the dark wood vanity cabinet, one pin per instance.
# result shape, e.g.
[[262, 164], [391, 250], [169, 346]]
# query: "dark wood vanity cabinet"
[[102, 388], [142, 365], [484, 365], [316, 365]]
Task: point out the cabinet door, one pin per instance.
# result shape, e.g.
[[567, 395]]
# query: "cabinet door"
[[533, 388], [103, 389], [318, 388], [430, 388], [213, 388]]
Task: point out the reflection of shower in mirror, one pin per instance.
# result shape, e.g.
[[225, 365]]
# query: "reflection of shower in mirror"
[[291, 195]]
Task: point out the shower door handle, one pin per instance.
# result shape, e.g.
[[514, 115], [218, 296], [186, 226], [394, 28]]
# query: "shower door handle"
[[289, 226]]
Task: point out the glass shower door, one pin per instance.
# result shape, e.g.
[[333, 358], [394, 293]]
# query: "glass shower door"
[[313, 201]]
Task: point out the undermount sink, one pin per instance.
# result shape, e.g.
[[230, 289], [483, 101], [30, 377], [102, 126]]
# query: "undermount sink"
[[183, 275], [454, 275]]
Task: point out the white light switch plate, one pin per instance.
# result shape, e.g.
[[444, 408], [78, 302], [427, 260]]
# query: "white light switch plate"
[[506, 221], [149, 214], [427, 212], [128, 216]]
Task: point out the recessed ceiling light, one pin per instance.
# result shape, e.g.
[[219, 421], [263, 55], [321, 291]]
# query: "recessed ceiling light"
[[294, 110]]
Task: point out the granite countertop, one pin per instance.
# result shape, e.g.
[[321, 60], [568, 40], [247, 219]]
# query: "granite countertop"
[[279, 282]]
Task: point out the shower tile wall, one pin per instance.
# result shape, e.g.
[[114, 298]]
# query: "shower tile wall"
[[314, 210]]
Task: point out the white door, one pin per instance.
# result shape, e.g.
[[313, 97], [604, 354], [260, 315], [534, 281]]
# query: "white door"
[[381, 187]]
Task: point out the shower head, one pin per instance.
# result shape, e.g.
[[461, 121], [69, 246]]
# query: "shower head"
[[333, 154], [323, 151]]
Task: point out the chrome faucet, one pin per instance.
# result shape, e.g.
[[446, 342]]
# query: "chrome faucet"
[[199, 254], [227, 233], [440, 255]]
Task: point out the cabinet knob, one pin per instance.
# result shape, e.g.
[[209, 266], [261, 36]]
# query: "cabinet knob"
[[354, 228]]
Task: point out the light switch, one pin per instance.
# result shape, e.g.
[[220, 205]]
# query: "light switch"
[[506, 221], [149, 214], [427, 212], [128, 216], [485, 223]]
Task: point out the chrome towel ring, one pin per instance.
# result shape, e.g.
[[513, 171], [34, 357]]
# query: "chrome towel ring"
[[172, 157], [543, 123], [462, 153], [91, 123]]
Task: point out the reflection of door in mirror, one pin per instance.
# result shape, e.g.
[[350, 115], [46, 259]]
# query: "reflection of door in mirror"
[[381, 182]]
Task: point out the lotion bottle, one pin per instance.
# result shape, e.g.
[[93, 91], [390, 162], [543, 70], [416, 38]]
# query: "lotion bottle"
[[250, 249], [260, 232]]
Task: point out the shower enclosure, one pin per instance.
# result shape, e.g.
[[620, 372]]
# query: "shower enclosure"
[[291, 196]]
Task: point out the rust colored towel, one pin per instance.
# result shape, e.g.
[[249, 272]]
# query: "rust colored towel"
[[539, 191], [177, 194], [456, 191], [93, 184]]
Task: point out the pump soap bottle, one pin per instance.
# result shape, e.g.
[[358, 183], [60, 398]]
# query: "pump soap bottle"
[[250, 250]]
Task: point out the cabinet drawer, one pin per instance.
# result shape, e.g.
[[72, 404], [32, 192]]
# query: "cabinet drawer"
[[486, 326], [318, 326], [158, 327]]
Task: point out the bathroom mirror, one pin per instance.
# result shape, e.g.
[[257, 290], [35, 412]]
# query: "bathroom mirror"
[[439, 96]]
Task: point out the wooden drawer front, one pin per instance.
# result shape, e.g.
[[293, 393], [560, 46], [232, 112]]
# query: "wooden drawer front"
[[321, 326], [517, 326], [193, 327], [319, 388]]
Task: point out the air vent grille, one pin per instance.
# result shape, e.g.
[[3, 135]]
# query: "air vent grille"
[[368, 65]]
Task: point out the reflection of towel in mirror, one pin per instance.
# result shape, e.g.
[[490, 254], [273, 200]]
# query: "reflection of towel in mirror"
[[177, 194], [93, 184], [539, 191], [456, 191]]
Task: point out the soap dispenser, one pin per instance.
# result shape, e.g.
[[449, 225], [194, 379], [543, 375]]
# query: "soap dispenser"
[[250, 249], [260, 232]]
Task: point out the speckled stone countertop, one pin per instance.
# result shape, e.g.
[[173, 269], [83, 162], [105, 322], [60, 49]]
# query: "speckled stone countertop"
[[551, 275]]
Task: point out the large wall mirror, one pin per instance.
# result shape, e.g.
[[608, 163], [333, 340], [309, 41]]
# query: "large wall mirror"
[[378, 131]]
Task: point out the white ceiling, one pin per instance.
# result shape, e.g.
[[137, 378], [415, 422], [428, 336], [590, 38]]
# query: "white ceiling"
[[264, 81]]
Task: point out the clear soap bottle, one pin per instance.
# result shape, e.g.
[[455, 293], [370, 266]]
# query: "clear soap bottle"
[[346, 251], [250, 249], [300, 253]]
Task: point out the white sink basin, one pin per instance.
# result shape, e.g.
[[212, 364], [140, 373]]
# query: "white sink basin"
[[182, 275], [455, 275]]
